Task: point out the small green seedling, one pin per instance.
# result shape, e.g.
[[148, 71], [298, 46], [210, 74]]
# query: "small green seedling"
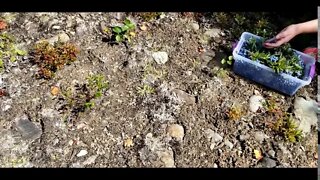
[[228, 61], [8, 50], [89, 105], [145, 90], [125, 32], [98, 84], [288, 128]]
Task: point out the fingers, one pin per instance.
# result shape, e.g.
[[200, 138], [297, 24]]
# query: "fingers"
[[276, 44]]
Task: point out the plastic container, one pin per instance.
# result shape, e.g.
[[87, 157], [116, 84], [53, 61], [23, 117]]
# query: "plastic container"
[[266, 76]]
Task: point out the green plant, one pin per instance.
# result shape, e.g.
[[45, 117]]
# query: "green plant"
[[145, 90], [1, 65], [288, 129], [148, 16], [235, 112], [97, 84], [281, 60], [125, 32], [228, 61], [221, 73], [8, 50], [51, 58]]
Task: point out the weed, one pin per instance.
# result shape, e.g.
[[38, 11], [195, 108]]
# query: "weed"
[[145, 90], [51, 58], [125, 32], [235, 112], [98, 84], [288, 129], [8, 50], [221, 73], [148, 16], [81, 98]]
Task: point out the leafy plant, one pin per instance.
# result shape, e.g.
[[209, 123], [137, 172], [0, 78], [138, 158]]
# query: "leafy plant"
[[80, 98], [8, 50], [287, 128], [221, 73], [51, 58], [235, 112], [228, 61], [125, 32], [281, 60], [98, 84], [145, 90]]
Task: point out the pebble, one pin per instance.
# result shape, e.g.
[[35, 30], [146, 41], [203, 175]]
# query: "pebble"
[[90, 160], [160, 57], [81, 29], [195, 26], [228, 144], [255, 102], [82, 153], [213, 33], [167, 158], [259, 136], [268, 163], [305, 111], [215, 137], [176, 131], [215, 165], [27, 129], [272, 153], [187, 98], [244, 137]]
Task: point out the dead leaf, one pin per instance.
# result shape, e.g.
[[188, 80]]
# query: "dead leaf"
[[128, 142], [3, 25], [55, 90], [2, 92], [143, 28], [257, 154], [133, 34]]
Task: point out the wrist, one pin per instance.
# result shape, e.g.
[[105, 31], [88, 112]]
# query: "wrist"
[[298, 29]]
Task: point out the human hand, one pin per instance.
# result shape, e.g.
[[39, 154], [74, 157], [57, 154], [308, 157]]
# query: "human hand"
[[283, 37]]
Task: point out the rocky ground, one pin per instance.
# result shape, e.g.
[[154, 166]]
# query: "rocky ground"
[[180, 121]]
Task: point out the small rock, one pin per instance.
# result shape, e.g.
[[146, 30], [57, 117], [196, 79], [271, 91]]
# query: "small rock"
[[143, 27], [63, 37], [82, 153], [187, 98], [27, 129], [305, 111], [215, 137], [244, 137], [56, 27], [167, 158], [160, 57], [259, 136], [195, 26], [272, 153], [55, 90], [268, 163], [49, 113], [208, 56], [90, 160], [228, 144], [176, 131], [255, 102], [81, 29], [215, 165], [213, 33]]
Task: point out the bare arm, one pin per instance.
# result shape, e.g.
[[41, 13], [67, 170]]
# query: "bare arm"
[[293, 30], [307, 27]]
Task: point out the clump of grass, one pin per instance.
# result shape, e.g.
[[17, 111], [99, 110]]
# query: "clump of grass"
[[145, 90], [287, 128], [82, 97], [8, 49], [97, 84], [235, 112], [51, 58], [220, 72], [148, 16]]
